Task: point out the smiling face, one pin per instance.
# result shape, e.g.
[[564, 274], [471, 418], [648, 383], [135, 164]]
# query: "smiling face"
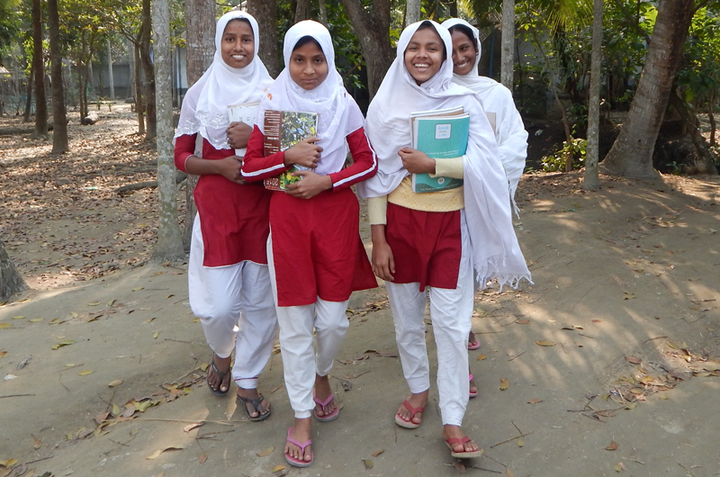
[[308, 67], [424, 55], [464, 53], [238, 44]]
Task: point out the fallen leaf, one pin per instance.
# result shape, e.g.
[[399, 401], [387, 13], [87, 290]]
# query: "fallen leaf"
[[633, 359], [520, 443], [612, 446], [110, 302], [170, 296], [535, 401], [63, 343], [278, 468], [619, 467], [3, 354], [266, 452], [157, 453], [138, 288], [150, 320], [203, 458], [37, 443], [116, 410], [85, 372], [545, 343], [36, 320], [195, 425], [73, 314], [481, 357], [459, 466], [631, 406], [94, 303], [117, 382], [19, 317], [523, 322], [504, 384], [378, 452], [597, 321], [368, 463], [5, 325], [628, 296], [8, 463], [155, 335], [509, 473]]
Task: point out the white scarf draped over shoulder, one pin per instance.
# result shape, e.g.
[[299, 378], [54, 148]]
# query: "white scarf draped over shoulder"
[[338, 114], [204, 109], [496, 254]]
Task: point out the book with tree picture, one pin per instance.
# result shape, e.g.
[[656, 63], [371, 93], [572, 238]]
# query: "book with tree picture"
[[284, 129], [441, 134]]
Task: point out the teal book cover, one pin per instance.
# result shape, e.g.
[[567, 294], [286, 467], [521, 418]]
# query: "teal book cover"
[[440, 138]]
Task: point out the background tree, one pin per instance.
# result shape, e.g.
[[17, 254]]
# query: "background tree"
[[590, 179], [60, 136], [147, 65], [508, 44], [265, 12], [631, 154], [10, 280], [41, 115], [169, 245]]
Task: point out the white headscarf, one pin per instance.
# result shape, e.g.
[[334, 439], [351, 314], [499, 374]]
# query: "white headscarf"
[[338, 114], [496, 253], [204, 108]]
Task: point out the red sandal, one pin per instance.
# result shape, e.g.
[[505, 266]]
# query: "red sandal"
[[409, 424]]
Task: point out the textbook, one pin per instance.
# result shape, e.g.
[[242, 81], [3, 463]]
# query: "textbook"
[[441, 134], [245, 113], [284, 129]]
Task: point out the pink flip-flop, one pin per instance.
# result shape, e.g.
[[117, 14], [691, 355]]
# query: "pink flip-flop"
[[292, 460], [474, 346], [472, 394], [464, 454], [408, 424], [326, 417]]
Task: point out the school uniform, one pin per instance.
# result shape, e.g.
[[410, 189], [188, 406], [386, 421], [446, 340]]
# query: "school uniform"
[[315, 253], [228, 277], [440, 241]]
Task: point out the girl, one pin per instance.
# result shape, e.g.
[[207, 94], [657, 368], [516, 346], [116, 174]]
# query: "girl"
[[229, 282], [435, 239], [499, 106], [315, 253]]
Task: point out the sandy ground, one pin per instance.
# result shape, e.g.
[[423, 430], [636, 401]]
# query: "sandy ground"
[[609, 362]]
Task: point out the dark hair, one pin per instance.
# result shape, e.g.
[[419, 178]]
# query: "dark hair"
[[304, 41], [465, 30], [427, 24]]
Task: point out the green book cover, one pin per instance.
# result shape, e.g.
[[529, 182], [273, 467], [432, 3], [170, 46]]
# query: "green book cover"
[[284, 129]]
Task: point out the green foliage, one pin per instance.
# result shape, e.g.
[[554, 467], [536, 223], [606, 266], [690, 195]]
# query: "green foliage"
[[556, 161], [699, 78]]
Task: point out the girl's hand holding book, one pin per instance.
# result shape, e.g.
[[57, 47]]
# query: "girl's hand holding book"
[[305, 153], [416, 162], [238, 134], [310, 185]]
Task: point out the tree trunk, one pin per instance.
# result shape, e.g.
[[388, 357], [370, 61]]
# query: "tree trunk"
[[10, 280], [265, 13], [631, 154], [590, 179], [147, 64], [302, 10], [169, 245], [323, 12], [111, 76], [412, 11], [60, 136], [139, 103], [200, 35], [372, 27], [30, 83], [41, 113], [507, 55]]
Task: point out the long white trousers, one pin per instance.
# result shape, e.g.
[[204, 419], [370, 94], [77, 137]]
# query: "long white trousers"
[[300, 362], [450, 313], [236, 310]]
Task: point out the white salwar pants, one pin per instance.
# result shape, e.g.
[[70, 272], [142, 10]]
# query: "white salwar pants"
[[300, 362], [450, 312], [236, 310]]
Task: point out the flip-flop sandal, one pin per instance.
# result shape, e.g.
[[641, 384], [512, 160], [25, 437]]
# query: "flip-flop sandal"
[[255, 403], [292, 460], [472, 394], [464, 454], [475, 345], [408, 424], [323, 404], [217, 391]]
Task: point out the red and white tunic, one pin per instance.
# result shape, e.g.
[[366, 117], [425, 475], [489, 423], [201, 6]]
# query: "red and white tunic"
[[316, 244]]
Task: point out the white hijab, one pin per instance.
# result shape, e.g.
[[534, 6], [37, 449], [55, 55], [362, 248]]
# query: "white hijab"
[[204, 108], [338, 114], [496, 253]]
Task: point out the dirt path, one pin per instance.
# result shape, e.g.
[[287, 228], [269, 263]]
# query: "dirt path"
[[616, 346]]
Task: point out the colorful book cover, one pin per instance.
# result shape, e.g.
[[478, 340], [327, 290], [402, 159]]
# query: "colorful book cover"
[[284, 129], [441, 135]]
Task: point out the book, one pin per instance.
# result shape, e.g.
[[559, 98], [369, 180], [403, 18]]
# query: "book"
[[284, 129], [245, 113], [441, 134]]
